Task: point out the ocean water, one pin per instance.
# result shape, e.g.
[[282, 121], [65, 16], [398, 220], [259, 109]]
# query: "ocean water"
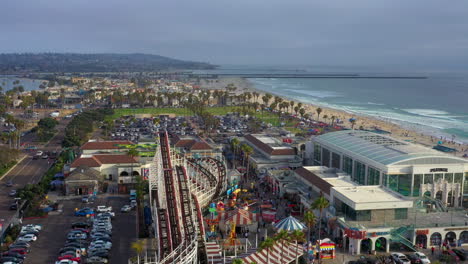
[[437, 105], [29, 84]]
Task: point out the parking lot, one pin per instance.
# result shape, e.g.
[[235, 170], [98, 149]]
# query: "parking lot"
[[55, 228]]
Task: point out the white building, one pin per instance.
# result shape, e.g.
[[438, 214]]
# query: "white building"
[[409, 169]]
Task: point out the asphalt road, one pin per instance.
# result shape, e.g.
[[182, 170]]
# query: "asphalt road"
[[55, 227], [27, 171]]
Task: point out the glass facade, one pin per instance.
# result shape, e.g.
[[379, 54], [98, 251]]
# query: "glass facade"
[[351, 214], [428, 178], [449, 177], [438, 176], [418, 179], [401, 213], [325, 157], [400, 183], [347, 165], [317, 153], [373, 176], [384, 180], [359, 175], [336, 160], [465, 184]]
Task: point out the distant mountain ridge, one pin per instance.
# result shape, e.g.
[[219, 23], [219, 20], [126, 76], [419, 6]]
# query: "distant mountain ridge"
[[97, 62]]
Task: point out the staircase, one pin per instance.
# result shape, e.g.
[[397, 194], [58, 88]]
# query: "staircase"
[[398, 235]]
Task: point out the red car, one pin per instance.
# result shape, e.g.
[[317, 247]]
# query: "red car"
[[22, 251], [70, 257], [453, 254], [82, 230]]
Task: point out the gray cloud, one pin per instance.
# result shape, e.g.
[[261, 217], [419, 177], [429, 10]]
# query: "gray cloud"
[[360, 32]]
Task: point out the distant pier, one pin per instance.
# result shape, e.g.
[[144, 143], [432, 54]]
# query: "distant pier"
[[297, 75]]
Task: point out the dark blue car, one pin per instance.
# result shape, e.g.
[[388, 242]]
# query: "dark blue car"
[[84, 212]]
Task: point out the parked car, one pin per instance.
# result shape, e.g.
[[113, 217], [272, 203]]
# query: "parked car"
[[400, 258], [84, 212], [103, 209], [22, 251], [126, 208], [13, 254], [14, 206], [66, 261], [12, 193], [85, 199], [69, 257], [96, 260], [81, 225], [35, 226], [39, 153], [9, 183], [422, 258], [27, 238], [74, 236], [7, 259], [20, 244], [106, 214], [99, 253]]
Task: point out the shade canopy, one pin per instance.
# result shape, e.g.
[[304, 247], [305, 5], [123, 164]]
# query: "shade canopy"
[[290, 224]]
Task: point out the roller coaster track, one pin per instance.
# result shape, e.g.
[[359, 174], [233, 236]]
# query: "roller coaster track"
[[189, 227], [178, 202], [170, 191]]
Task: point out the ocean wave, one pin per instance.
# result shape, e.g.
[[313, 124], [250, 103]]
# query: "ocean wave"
[[372, 103], [317, 93], [426, 112]]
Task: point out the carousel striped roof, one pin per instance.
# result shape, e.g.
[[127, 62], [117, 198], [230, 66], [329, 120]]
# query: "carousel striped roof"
[[239, 216], [290, 224], [285, 253]]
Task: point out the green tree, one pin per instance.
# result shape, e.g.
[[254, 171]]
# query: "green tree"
[[138, 246], [247, 150], [234, 146], [236, 261], [309, 220], [281, 236], [320, 204], [47, 123], [319, 111], [132, 153], [268, 244], [297, 236], [353, 122], [333, 118]]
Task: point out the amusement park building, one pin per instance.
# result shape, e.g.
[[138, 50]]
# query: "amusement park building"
[[409, 169]]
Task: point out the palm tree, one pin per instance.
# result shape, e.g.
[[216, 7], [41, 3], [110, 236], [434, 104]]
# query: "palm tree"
[[268, 244], [319, 111], [138, 247], [234, 146], [325, 117], [302, 112], [353, 122], [310, 220], [296, 109], [297, 236], [248, 150], [236, 261], [281, 236], [333, 120], [320, 204], [132, 153], [291, 104]]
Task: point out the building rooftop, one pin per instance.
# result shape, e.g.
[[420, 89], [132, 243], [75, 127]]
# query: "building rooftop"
[[97, 160], [324, 178], [97, 145], [384, 149], [371, 197], [269, 145]]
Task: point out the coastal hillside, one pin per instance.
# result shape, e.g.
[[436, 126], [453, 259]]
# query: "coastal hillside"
[[99, 62]]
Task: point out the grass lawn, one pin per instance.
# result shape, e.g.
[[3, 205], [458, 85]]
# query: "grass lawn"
[[165, 111], [266, 117]]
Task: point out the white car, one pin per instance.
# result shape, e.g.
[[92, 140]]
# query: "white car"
[[126, 208], [104, 209], [423, 258], [39, 153], [27, 238], [33, 226], [400, 258], [66, 261], [97, 246]]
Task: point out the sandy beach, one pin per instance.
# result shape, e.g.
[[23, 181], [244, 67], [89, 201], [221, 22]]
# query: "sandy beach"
[[409, 132]]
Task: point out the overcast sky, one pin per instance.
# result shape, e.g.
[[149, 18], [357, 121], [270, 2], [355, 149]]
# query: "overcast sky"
[[342, 32]]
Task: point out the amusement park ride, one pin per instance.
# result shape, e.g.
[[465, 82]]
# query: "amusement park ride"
[[179, 189]]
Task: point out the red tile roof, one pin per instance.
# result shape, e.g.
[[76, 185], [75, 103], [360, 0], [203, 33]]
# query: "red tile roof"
[[96, 145], [98, 160], [89, 162], [315, 180], [200, 145], [269, 149], [183, 143], [115, 159]]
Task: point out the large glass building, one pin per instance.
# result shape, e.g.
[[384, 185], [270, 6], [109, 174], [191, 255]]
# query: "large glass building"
[[410, 169]]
